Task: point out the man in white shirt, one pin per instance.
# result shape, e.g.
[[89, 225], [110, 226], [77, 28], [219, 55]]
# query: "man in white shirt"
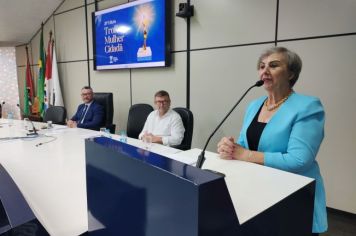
[[163, 125]]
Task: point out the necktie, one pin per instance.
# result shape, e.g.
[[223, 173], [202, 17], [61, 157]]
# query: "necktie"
[[84, 113]]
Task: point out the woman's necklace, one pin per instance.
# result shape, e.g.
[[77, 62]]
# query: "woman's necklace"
[[271, 107]]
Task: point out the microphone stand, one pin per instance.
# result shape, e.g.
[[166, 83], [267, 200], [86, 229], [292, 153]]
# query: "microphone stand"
[[201, 157], [0, 110], [34, 133]]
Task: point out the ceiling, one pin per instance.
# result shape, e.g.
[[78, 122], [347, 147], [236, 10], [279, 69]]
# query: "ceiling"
[[20, 19]]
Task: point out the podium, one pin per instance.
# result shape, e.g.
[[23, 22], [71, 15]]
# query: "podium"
[[131, 191], [16, 217]]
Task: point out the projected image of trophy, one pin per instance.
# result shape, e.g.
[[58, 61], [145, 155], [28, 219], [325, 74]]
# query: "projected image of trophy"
[[144, 18], [144, 36]]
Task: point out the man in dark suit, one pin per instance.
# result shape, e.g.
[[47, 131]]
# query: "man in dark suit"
[[90, 114]]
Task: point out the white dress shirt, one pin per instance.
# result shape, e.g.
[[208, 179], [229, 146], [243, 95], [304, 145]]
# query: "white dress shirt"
[[169, 127]]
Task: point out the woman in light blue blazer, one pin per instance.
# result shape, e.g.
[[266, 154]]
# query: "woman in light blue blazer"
[[284, 129]]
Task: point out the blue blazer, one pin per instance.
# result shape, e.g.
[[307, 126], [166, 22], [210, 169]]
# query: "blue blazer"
[[290, 142], [94, 118]]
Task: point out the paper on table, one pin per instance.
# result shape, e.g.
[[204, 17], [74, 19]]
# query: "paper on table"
[[188, 157]]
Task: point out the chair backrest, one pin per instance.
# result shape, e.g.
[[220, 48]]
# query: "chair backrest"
[[57, 114], [137, 117], [188, 122], [106, 100]]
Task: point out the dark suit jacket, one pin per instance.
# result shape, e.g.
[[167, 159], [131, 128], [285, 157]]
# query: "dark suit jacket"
[[94, 118]]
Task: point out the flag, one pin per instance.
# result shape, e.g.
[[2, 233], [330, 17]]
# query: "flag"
[[56, 98], [26, 108], [48, 73], [29, 79], [28, 87], [41, 76], [53, 89]]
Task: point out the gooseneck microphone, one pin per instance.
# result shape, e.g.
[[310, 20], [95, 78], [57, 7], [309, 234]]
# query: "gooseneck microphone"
[[22, 112], [201, 157], [33, 126], [1, 107]]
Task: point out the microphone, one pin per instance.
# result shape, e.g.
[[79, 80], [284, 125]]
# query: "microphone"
[[21, 111], [201, 157], [1, 107], [33, 126]]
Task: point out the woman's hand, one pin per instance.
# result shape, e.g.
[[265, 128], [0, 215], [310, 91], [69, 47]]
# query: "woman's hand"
[[226, 148]]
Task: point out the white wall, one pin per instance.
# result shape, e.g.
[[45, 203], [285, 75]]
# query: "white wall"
[[9, 89], [227, 36]]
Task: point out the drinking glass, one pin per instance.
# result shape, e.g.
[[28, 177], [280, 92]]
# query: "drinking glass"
[[49, 124], [103, 131], [147, 142], [26, 123]]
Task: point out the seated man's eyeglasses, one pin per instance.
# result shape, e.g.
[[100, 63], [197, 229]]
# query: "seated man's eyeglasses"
[[85, 94], [161, 101]]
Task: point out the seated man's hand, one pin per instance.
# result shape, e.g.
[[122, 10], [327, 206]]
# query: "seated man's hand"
[[71, 124], [154, 138]]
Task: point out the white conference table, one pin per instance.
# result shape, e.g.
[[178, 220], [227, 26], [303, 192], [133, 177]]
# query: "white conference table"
[[52, 176]]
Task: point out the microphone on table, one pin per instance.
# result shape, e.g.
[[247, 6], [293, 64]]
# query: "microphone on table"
[[201, 157], [22, 112], [33, 126], [1, 107]]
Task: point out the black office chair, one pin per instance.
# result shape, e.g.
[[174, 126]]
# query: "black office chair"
[[106, 100], [57, 114], [188, 122], [137, 117]]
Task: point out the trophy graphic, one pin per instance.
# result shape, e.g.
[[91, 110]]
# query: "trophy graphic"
[[144, 17], [144, 36]]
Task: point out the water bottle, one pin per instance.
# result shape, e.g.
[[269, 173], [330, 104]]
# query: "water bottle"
[[123, 136], [10, 117]]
